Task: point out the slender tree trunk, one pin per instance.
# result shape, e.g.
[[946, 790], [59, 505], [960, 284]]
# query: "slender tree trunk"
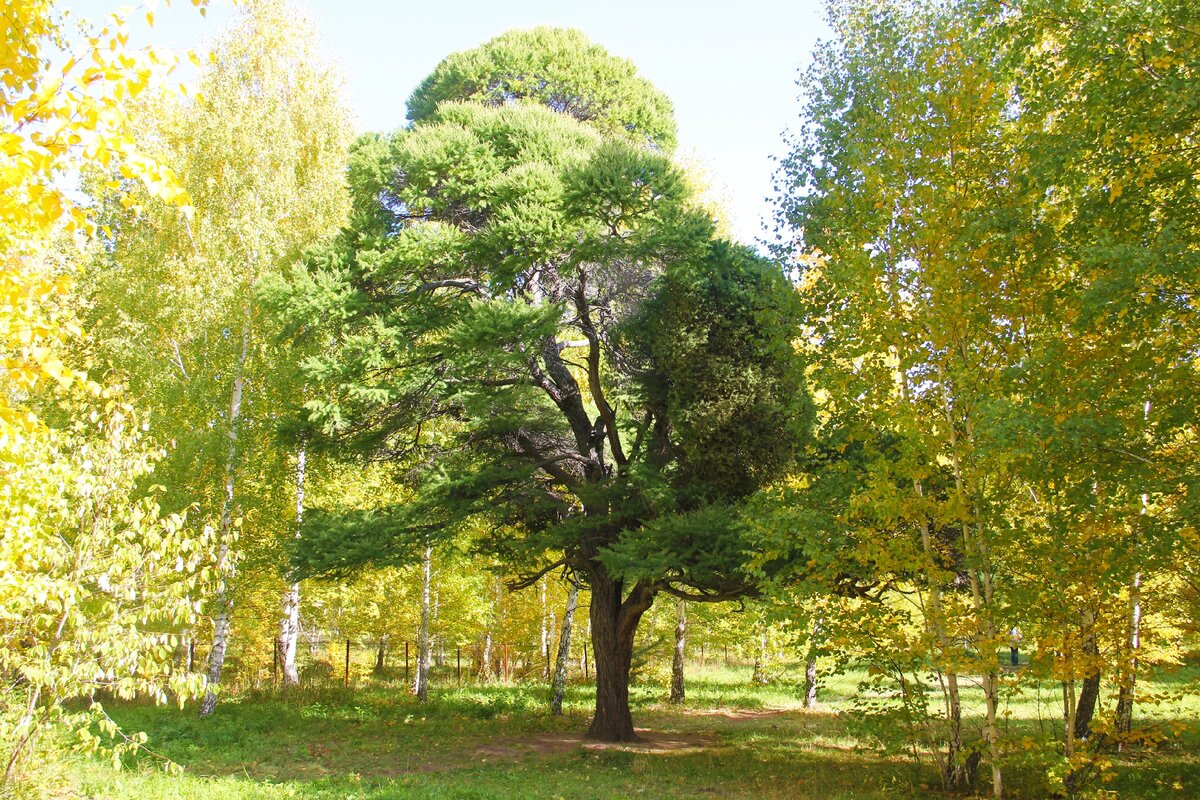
[[957, 773], [810, 682], [759, 676], [583, 655], [421, 682], [677, 687], [223, 617], [1089, 691], [614, 624], [810, 666], [380, 654], [485, 661], [991, 697], [436, 647], [544, 652], [982, 594], [1070, 703], [558, 686], [1124, 711], [289, 624]]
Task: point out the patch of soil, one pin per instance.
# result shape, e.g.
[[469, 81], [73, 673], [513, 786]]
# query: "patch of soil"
[[556, 743], [742, 714]]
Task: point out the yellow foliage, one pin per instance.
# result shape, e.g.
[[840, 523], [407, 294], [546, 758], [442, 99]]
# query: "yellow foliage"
[[78, 550]]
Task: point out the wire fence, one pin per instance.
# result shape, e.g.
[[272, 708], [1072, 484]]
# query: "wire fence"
[[328, 660]]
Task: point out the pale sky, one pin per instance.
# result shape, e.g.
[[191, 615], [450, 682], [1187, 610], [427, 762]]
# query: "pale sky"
[[729, 67]]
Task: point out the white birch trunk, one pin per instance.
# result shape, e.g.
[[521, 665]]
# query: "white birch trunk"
[[223, 617], [678, 691], [421, 681], [289, 623], [558, 687]]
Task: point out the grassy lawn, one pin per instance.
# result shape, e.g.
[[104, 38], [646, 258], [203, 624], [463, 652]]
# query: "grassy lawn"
[[730, 740]]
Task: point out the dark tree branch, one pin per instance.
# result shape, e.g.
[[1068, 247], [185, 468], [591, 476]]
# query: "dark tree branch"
[[593, 369], [714, 596], [461, 284], [549, 464], [640, 598], [529, 580]]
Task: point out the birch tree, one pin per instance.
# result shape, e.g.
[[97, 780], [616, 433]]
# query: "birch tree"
[[261, 145]]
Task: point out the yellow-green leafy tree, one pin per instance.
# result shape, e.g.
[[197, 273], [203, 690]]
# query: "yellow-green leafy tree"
[[261, 148], [94, 580]]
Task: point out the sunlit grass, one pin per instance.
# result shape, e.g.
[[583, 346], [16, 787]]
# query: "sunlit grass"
[[497, 740]]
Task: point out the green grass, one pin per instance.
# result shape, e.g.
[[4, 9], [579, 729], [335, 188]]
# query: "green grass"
[[737, 741]]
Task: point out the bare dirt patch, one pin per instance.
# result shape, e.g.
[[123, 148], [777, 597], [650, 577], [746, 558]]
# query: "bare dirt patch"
[[742, 714], [649, 742]]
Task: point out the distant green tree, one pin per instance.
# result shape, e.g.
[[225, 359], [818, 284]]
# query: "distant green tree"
[[555, 67], [533, 315]]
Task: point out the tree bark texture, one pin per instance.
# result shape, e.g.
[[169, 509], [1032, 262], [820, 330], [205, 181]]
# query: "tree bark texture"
[[289, 623], [380, 655], [613, 626], [421, 681], [677, 687], [223, 618], [1124, 711], [1089, 691], [558, 686]]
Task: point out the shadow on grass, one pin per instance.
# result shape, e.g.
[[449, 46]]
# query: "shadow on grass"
[[497, 740]]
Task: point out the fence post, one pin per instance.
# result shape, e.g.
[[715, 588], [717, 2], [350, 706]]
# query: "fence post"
[[458, 664], [274, 661], [585, 666], [507, 674], [727, 655], [346, 680], [406, 661], [191, 655]]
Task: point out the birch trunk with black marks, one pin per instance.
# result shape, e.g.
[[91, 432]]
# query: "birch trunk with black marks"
[[759, 676], [1125, 693], [677, 687], [1089, 691], [421, 680], [544, 651], [380, 654], [289, 623], [558, 686], [223, 605], [810, 666]]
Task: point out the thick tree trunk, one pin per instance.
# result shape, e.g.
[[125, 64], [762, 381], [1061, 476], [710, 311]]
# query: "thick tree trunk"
[[677, 687], [614, 624], [289, 623], [558, 686], [223, 619], [421, 682]]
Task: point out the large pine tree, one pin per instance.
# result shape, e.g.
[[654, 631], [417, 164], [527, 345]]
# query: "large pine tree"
[[531, 310]]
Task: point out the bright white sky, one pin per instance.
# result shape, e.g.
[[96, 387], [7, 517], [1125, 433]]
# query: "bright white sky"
[[729, 67]]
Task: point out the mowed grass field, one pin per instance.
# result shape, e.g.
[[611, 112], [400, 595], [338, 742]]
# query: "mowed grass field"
[[729, 740]]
